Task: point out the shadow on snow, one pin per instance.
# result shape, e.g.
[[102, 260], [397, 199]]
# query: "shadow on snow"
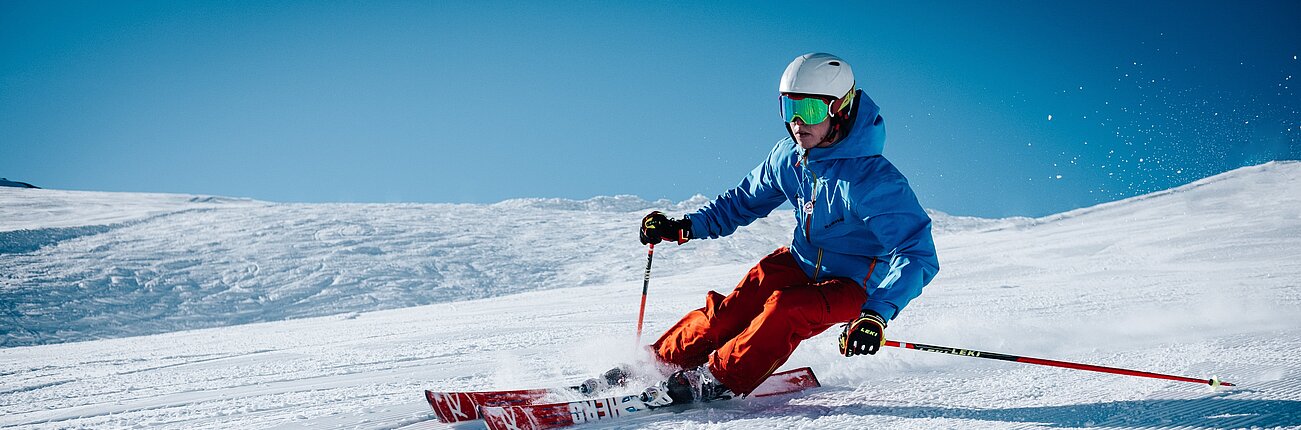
[[1214, 412]]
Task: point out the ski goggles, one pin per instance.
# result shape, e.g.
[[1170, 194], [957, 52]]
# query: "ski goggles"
[[810, 109]]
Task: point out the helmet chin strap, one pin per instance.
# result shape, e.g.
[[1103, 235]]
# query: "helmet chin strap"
[[832, 136]]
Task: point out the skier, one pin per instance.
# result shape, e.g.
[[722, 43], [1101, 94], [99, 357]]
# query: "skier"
[[861, 250]]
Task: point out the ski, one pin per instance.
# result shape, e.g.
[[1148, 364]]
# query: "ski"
[[457, 406], [557, 415]]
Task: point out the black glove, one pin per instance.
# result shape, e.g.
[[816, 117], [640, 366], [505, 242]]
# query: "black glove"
[[656, 227], [863, 336]]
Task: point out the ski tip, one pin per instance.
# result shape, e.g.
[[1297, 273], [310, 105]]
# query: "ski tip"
[[443, 416], [805, 372], [451, 407], [816, 382], [786, 382], [429, 397]]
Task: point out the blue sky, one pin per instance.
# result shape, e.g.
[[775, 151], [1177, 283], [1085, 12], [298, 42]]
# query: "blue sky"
[[484, 101]]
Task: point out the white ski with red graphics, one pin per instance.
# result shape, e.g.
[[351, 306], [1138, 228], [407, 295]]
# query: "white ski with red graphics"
[[452, 407], [457, 406], [557, 415]]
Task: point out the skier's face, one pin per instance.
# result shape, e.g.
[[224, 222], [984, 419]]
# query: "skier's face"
[[810, 136]]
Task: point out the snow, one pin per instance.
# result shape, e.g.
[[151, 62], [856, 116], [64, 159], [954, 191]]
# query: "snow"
[[146, 264], [337, 316]]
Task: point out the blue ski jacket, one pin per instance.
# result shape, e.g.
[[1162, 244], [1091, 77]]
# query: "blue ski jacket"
[[858, 218]]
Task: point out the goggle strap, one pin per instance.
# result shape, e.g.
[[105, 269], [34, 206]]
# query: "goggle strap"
[[845, 101]]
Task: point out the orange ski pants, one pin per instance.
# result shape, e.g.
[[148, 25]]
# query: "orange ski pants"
[[747, 335]]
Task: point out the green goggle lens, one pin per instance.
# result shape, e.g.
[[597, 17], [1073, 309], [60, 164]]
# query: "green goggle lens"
[[811, 110]]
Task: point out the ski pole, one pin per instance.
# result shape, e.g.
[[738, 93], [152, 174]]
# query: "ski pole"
[[645, 285], [1214, 382]]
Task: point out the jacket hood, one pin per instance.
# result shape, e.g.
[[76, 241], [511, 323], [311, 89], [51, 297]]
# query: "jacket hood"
[[866, 136]]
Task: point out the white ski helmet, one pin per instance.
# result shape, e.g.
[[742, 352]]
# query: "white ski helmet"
[[818, 74], [823, 75]]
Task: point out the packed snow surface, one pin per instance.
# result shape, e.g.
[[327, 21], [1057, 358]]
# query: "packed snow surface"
[[337, 315]]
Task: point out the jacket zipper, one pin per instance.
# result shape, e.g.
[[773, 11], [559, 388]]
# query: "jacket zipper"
[[808, 215], [813, 200], [817, 267]]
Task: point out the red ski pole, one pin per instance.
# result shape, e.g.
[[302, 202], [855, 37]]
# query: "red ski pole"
[[1214, 382], [645, 285]]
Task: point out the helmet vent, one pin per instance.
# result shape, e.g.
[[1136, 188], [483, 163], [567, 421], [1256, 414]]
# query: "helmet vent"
[[814, 74]]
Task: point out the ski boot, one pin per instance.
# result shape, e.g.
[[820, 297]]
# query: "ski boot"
[[686, 386]]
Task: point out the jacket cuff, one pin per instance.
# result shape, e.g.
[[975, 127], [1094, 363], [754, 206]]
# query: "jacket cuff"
[[885, 310], [698, 230]]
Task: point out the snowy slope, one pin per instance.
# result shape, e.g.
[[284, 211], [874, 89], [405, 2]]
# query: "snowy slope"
[[1199, 280], [113, 264]]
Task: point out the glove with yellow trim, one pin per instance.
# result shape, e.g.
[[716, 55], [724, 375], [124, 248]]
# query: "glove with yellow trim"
[[656, 227], [863, 336]]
